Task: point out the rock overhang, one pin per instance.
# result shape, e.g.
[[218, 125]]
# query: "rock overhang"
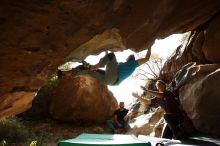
[[37, 36]]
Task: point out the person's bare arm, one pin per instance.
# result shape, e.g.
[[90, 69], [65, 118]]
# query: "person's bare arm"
[[115, 119], [146, 58], [153, 93], [144, 100]]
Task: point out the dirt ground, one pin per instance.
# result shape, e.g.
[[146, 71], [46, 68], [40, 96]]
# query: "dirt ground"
[[50, 133]]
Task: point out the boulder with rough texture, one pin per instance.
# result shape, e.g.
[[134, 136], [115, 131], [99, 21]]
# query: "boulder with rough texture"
[[201, 47], [149, 124], [37, 35], [200, 99], [82, 99], [179, 58], [197, 47], [16, 103]]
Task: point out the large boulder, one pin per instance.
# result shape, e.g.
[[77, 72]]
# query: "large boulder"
[[200, 99], [82, 99]]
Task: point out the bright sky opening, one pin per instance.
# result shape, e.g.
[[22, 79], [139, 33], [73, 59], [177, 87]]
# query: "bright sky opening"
[[163, 48]]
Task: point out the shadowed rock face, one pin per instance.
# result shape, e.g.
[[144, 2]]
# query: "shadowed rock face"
[[200, 98], [82, 99], [36, 36], [197, 83], [201, 47]]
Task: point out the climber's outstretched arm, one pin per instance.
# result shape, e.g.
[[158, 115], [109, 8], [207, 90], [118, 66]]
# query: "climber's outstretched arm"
[[153, 93], [146, 58], [144, 100]]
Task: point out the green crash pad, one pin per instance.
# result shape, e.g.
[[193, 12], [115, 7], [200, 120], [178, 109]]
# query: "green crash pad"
[[86, 139]]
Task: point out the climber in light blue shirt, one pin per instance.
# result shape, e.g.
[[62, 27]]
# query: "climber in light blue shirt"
[[125, 69], [115, 72]]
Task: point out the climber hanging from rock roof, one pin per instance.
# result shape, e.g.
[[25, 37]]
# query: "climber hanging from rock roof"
[[115, 72]]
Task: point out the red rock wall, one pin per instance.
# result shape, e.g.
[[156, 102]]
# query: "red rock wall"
[[36, 36]]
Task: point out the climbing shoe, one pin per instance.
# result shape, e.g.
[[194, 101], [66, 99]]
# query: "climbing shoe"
[[85, 65], [111, 56]]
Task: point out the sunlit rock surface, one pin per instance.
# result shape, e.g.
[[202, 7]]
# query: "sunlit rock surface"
[[148, 124], [82, 99], [37, 36]]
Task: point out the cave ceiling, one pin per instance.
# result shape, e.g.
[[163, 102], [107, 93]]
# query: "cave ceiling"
[[39, 35]]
